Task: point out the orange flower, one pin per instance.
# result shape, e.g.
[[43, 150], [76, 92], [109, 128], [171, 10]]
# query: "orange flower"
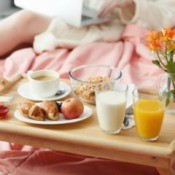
[[170, 45], [161, 40], [155, 45], [168, 34], [163, 44], [153, 35]]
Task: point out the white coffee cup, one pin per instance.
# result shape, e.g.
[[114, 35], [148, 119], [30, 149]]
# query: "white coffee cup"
[[43, 83]]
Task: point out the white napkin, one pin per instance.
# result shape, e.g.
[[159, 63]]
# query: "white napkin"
[[129, 113], [131, 122]]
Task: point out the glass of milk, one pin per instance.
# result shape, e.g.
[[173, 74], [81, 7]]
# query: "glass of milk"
[[111, 107]]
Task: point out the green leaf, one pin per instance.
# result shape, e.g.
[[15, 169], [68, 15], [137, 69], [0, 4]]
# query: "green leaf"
[[171, 55], [157, 63], [173, 94], [167, 101], [173, 91], [170, 67], [168, 95]]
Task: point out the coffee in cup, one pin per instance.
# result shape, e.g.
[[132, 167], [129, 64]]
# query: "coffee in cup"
[[43, 83]]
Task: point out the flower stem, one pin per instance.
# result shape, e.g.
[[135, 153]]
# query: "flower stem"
[[172, 76], [162, 64]]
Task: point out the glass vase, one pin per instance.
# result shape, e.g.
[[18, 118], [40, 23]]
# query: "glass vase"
[[167, 91]]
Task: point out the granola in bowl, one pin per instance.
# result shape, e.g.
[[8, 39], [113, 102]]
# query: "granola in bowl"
[[84, 84]]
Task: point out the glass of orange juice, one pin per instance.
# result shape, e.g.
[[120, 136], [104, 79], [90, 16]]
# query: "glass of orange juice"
[[149, 111]]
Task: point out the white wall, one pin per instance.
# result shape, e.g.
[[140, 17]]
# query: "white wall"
[[4, 5]]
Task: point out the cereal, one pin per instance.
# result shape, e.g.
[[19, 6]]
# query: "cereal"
[[86, 91]]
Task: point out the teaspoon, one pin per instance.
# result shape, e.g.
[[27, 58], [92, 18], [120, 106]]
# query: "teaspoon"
[[60, 92]]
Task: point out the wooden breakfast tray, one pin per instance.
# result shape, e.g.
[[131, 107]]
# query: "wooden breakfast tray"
[[86, 138]]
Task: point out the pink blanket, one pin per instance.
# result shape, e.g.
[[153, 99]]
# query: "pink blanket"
[[129, 54]]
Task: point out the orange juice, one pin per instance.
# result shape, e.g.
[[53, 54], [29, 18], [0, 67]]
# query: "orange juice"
[[148, 115]]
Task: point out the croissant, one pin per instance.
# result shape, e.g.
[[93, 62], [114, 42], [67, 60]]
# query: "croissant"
[[36, 113], [24, 108], [51, 109]]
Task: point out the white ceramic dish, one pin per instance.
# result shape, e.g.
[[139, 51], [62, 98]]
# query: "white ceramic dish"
[[24, 91], [86, 114]]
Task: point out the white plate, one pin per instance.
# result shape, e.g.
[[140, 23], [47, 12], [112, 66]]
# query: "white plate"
[[24, 91], [86, 114]]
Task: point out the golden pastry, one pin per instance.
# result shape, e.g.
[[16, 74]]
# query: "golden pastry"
[[36, 113], [24, 108], [51, 109]]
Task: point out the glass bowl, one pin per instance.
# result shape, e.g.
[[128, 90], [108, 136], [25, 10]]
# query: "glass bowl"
[[86, 78]]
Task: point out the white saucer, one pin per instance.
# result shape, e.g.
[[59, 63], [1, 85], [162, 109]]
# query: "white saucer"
[[86, 114], [24, 91]]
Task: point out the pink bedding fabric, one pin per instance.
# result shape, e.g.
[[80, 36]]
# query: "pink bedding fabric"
[[129, 54]]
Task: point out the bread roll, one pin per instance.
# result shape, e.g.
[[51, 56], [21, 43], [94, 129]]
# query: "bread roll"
[[51, 109], [36, 113], [24, 108]]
